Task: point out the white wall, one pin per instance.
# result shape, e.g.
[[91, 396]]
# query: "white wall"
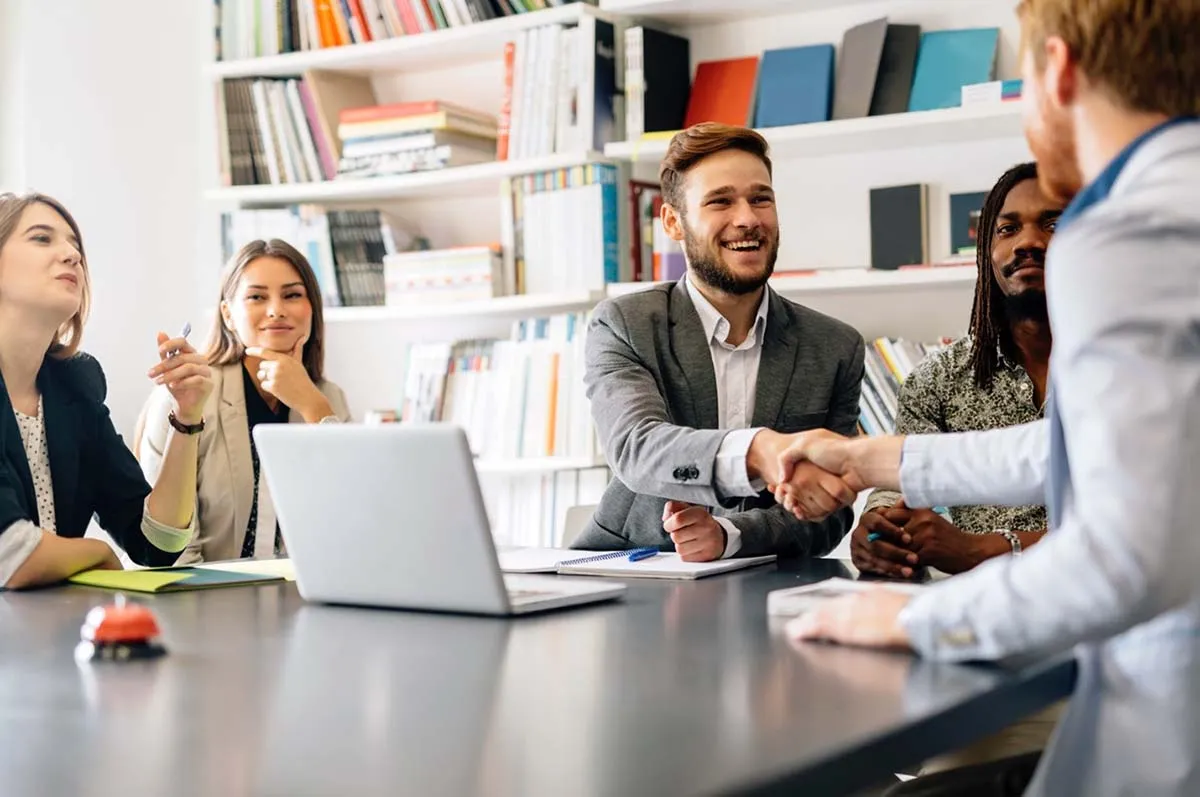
[[12, 97], [109, 111]]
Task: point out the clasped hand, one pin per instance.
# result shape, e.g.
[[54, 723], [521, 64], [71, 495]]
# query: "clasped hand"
[[814, 476]]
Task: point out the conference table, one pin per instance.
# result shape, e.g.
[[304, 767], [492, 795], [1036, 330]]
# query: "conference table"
[[680, 688]]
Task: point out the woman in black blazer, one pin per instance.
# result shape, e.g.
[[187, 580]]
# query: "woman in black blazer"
[[61, 460]]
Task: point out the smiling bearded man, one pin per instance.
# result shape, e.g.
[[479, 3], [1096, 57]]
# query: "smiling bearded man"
[[692, 382]]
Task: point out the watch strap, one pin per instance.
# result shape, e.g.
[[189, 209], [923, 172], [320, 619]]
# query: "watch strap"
[[1013, 540], [184, 428]]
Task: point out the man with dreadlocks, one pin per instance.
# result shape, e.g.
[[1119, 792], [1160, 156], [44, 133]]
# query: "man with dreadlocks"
[[993, 377]]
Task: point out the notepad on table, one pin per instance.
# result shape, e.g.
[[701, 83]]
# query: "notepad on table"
[[794, 601], [616, 563], [170, 579]]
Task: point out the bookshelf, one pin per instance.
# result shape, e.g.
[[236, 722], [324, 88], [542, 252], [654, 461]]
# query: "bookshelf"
[[449, 183], [847, 280], [434, 50], [823, 173], [536, 465], [868, 134], [504, 306], [709, 11]]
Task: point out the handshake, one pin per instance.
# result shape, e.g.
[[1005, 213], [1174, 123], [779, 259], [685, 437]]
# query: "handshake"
[[813, 474]]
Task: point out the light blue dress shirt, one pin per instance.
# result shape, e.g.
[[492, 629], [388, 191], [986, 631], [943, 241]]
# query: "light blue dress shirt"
[[1118, 463]]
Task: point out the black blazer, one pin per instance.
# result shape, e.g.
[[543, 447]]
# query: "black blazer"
[[93, 471]]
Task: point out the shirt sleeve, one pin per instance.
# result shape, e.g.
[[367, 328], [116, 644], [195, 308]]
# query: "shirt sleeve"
[[1126, 371], [731, 478], [167, 538], [733, 537], [17, 544]]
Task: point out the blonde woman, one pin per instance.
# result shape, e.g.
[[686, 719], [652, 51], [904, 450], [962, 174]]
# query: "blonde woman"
[[61, 460], [267, 353]]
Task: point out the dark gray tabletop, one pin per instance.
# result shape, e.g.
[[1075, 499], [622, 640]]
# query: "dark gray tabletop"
[[682, 688]]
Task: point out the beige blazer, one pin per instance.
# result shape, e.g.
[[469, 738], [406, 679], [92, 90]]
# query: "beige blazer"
[[225, 470]]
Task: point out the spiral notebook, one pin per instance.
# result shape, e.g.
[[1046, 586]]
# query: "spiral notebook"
[[616, 563]]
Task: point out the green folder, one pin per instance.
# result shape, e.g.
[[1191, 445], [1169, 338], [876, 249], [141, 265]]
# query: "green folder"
[[170, 579]]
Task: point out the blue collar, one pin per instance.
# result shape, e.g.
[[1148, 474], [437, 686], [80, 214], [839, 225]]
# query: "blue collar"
[[1099, 189]]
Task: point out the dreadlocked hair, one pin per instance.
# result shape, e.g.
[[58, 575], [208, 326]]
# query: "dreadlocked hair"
[[990, 331]]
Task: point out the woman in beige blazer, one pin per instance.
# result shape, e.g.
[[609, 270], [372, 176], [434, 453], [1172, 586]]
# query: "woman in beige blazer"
[[267, 353]]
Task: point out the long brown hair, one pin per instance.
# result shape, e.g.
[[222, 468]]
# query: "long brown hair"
[[223, 345], [69, 336]]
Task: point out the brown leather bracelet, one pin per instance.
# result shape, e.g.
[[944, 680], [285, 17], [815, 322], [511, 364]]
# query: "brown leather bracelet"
[[185, 428]]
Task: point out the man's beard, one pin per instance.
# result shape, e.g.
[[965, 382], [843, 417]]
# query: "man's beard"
[[1053, 145], [1028, 305], [710, 268]]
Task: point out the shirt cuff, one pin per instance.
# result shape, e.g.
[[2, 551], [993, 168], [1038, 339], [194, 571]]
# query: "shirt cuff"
[[936, 629], [17, 544], [733, 537], [916, 463], [167, 538], [730, 474]]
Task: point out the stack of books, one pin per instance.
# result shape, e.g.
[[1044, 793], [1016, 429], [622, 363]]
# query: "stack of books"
[[445, 276], [413, 136], [888, 363]]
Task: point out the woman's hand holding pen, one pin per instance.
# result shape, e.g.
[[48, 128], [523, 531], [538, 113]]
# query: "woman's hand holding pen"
[[186, 374], [283, 375]]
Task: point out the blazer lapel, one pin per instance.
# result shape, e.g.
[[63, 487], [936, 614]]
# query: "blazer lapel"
[[777, 365], [64, 436], [235, 430], [694, 358]]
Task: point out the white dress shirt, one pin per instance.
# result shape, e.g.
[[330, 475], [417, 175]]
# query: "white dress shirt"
[[736, 372]]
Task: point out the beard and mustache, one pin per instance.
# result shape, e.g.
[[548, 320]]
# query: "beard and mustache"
[[710, 268], [1028, 304]]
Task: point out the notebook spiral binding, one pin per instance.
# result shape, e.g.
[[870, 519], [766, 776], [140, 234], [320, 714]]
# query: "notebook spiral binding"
[[600, 557]]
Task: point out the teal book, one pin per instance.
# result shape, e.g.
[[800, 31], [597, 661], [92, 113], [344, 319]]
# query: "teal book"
[[949, 60], [795, 86]]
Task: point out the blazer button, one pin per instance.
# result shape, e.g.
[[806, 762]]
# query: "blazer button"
[[693, 472], [680, 474]]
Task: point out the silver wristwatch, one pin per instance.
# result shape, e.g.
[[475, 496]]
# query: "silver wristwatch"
[[1013, 540]]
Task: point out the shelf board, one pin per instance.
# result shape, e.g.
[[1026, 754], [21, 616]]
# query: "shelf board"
[[846, 280], [479, 41], [451, 182], [530, 304], [534, 465], [682, 12], [871, 133]]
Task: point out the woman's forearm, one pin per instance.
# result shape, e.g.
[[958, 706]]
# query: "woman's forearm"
[[56, 558], [173, 497]]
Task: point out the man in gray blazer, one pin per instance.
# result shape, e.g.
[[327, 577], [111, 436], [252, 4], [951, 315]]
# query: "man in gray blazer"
[[691, 382], [1113, 102]]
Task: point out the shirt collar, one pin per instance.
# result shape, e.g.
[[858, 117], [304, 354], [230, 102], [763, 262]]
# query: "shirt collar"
[[716, 326], [1099, 189]]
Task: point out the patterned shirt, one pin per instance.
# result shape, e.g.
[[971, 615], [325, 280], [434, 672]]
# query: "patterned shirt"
[[940, 395]]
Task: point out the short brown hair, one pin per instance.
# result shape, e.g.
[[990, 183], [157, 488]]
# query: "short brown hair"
[[689, 147], [70, 334], [1142, 52], [224, 347]]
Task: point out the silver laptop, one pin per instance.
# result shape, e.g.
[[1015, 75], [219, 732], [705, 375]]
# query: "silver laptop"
[[392, 516]]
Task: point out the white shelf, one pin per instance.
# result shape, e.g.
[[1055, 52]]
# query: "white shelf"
[[480, 41], [534, 465], [846, 280], [680, 12], [451, 182], [871, 133], [531, 304]]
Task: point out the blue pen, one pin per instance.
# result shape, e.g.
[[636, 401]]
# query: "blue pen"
[[187, 330], [874, 535], [638, 554]]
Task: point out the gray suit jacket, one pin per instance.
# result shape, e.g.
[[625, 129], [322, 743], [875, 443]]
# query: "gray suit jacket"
[[653, 395]]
